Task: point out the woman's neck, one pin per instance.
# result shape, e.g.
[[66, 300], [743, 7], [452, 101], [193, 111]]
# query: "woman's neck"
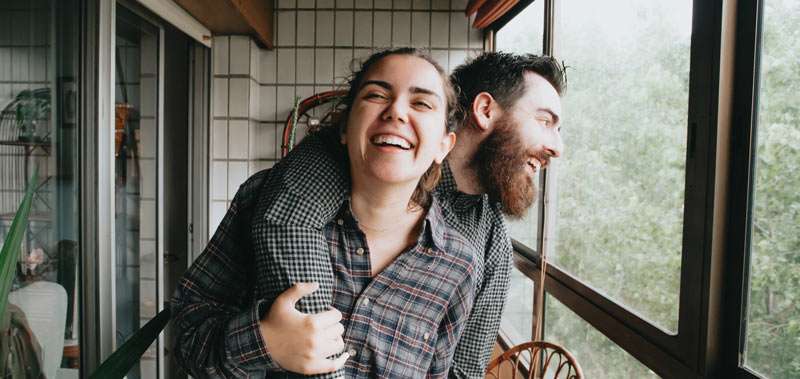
[[381, 207]]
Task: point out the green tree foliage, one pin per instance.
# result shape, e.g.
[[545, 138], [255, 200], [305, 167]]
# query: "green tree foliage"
[[773, 327]]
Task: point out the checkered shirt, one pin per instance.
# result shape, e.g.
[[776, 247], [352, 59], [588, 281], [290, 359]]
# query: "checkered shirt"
[[406, 321], [272, 237]]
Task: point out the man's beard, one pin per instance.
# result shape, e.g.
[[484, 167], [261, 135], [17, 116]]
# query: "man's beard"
[[500, 163]]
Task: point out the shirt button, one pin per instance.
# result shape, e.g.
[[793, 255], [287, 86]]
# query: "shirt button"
[[352, 352], [360, 251], [365, 302], [426, 336], [340, 222]]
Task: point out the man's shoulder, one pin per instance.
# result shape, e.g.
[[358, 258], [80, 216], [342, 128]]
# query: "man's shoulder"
[[479, 221]]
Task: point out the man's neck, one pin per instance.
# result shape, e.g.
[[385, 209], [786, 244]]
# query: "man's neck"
[[460, 161]]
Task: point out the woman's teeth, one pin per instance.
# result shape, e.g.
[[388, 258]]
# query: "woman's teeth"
[[391, 140]]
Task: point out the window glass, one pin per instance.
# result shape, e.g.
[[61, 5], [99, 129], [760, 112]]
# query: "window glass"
[[773, 318], [598, 356], [621, 178], [523, 34], [136, 181], [518, 313], [39, 132]]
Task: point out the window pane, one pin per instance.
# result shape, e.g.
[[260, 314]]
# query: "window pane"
[[518, 313], [773, 324], [136, 168], [621, 179], [523, 34], [598, 356], [39, 130]]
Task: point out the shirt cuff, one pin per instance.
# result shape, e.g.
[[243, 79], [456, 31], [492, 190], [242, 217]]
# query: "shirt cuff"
[[245, 344]]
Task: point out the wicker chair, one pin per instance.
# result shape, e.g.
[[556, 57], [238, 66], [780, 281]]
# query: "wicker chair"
[[557, 362], [312, 113]]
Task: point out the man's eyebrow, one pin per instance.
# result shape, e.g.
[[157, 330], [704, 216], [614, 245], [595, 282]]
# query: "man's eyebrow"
[[553, 115]]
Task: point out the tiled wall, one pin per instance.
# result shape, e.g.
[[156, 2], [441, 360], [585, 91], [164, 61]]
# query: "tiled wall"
[[315, 43]]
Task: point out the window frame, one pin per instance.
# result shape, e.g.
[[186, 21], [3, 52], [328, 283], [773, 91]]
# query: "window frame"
[[718, 187]]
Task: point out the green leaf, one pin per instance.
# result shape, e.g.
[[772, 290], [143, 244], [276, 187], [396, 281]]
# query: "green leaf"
[[9, 255], [121, 361]]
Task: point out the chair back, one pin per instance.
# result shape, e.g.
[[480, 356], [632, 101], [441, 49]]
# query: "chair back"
[[556, 362]]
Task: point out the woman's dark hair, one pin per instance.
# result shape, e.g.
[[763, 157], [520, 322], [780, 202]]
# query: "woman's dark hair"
[[422, 194], [503, 76]]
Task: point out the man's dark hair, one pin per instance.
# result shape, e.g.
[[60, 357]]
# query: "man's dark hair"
[[503, 76]]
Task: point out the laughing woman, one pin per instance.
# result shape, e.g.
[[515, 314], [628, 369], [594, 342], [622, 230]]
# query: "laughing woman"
[[400, 278]]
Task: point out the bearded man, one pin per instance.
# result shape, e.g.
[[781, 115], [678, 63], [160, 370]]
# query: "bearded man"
[[509, 113]]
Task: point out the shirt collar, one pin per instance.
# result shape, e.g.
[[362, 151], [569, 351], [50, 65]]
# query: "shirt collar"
[[447, 183], [433, 227]]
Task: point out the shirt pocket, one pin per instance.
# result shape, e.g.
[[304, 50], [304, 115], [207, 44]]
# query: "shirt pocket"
[[402, 334]]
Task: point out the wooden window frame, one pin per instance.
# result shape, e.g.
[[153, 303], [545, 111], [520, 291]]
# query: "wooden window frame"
[[722, 115]]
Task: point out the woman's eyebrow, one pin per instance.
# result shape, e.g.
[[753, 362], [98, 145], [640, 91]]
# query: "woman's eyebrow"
[[388, 87], [379, 83], [425, 91]]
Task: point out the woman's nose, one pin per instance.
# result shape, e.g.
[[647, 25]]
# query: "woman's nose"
[[395, 111]]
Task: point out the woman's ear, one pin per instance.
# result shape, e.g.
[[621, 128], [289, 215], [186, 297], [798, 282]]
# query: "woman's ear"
[[447, 144], [484, 110]]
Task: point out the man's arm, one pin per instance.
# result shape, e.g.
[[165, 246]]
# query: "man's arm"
[[216, 320], [216, 313], [476, 344]]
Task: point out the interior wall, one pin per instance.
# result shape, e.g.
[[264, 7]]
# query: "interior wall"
[[315, 43]]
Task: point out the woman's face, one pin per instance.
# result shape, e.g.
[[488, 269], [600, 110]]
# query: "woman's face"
[[396, 127]]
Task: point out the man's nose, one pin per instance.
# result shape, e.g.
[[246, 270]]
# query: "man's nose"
[[395, 111], [554, 146]]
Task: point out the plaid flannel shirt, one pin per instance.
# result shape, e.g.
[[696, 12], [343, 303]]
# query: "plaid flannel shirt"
[[404, 322], [272, 237]]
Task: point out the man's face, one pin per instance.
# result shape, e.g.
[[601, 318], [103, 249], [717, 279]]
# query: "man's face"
[[522, 141]]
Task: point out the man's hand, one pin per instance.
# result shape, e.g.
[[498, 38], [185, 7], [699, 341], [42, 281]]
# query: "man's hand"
[[302, 342]]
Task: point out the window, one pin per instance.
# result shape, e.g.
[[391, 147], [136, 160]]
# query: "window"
[[40, 130], [523, 34], [621, 179], [773, 327], [599, 356], [518, 313]]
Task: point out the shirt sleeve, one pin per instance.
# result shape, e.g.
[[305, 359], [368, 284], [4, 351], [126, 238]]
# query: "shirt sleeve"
[[215, 320], [475, 347], [452, 326]]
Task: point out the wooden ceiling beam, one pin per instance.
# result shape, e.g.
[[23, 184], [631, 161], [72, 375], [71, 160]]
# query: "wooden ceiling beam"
[[253, 17]]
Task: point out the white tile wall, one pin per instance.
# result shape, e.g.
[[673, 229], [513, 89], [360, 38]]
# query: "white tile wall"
[[420, 29], [239, 97], [305, 28], [401, 29], [286, 66], [362, 28], [324, 28], [238, 139], [240, 55], [382, 29], [317, 42], [344, 28], [440, 29], [219, 139], [220, 97], [221, 54], [305, 66], [323, 67]]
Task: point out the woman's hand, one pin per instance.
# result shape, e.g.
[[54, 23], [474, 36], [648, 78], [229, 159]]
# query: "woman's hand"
[[301, 342]]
